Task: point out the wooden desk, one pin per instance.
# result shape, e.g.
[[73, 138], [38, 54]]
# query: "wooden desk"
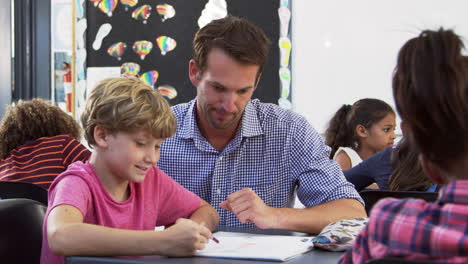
[[314, 256]]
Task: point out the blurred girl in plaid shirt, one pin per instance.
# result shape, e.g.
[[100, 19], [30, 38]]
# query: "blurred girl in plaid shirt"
[[430, 87]]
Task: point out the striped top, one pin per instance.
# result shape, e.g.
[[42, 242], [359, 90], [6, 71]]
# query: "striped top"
[[41, 160]]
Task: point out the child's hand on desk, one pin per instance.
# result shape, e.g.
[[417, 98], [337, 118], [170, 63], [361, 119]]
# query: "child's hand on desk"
[[185, 237]]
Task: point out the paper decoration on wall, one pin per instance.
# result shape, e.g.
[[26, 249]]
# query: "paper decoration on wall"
[[80, 32], [284, 3], [129, 3], [142, 13], [130, 69], [142, 48], [285, 78], [214, 9], [166, 44], [284, 16], [80, 63], [116, 50], [168, 91], [284, 103], [150, 77], [108, 6], [103, 31], [285, 51], [80, 8], [95, 2], [166, 11]]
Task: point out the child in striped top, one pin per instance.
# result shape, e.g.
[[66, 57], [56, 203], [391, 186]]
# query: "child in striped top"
[[37, 142]]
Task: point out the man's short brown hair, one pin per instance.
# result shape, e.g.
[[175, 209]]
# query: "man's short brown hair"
[[239, 38], [129, 105]]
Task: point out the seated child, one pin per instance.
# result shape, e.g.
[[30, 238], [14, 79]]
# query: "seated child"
[[359, 131], [110, 205], [394, 168], [430, 86], [37, 142]]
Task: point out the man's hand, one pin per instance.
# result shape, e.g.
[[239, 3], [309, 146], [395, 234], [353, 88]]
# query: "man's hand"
[[249, 207]]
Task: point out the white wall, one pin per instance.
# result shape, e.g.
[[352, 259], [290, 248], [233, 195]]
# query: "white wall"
[[346, 50]]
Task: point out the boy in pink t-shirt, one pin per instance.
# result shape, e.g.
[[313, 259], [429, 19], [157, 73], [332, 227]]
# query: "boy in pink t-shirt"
[[110, 205]]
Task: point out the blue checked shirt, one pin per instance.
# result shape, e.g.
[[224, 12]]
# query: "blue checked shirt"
[[274, 152]]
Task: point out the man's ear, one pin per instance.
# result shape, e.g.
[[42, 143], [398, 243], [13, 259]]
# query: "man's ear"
[[101, 136], [431, 170], [361, 131], [194, 73]]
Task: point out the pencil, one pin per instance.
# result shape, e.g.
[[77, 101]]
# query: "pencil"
[[215, 239]]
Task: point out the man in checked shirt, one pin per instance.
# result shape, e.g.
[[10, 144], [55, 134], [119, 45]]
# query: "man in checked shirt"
[[247, 158]]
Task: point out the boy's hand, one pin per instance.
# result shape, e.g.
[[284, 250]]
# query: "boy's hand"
[[185, 237]]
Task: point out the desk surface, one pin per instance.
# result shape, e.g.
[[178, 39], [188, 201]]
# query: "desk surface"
[[314, 256]]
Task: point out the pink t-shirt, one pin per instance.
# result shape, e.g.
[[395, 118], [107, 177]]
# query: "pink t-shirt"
[[156, 201]]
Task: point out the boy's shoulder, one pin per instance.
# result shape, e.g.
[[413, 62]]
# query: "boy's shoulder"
[[77, 169]]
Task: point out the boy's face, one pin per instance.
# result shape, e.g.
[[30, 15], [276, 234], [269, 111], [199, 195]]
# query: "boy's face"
[[129, 156]]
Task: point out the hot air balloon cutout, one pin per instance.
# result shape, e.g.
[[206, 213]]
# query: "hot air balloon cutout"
[[142, 13], [95, 2], [129, 3], [116, 50], [166, 11], [130, 69], [142, 48], [165, 44], [108, 6], [167, 91], [150, 77]]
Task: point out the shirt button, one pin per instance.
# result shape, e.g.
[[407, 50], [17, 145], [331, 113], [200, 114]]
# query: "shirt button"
[[220, 158], [218, 191]]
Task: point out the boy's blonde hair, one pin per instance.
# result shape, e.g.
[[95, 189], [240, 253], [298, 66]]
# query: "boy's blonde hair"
[[127, 104]]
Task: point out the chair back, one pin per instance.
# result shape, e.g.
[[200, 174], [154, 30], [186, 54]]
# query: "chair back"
[[371, 197], [21, 230], [9, 190], [396, 261]]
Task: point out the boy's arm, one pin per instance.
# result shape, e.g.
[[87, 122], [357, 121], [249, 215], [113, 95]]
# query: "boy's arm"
[[68, 235], [207, 215]]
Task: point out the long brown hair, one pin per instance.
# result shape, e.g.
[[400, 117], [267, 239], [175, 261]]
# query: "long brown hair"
[[407, 174], [431, 94]]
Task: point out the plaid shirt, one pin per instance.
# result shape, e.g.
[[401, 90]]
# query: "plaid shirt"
[[415, 229], [274, 152]]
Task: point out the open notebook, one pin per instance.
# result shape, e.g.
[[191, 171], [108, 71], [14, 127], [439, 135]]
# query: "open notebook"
[[256, 246]]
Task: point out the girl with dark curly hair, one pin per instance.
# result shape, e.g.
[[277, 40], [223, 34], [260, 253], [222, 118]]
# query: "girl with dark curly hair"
[[37, 142]]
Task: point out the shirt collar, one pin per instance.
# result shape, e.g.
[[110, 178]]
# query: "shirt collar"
[[250, 125], [454, 192], [189, 122]]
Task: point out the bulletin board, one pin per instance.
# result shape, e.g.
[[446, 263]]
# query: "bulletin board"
[[112, 31]]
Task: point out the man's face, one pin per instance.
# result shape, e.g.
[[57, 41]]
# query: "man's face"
[[223, 89]]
